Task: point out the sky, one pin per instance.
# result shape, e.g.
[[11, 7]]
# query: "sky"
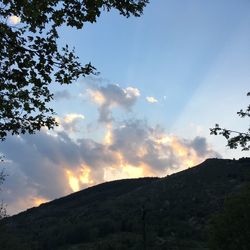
[[165, 79]]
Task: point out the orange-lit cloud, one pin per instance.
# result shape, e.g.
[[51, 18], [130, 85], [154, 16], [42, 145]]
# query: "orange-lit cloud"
[[60, 165], [37, 201], [135, 150], [22, 203], [108, 135], [187, 156], [73, 181], [123, 172], [79, 178], [96, 96]]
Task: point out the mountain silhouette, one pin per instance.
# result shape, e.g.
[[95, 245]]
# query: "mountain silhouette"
[[146, 213]]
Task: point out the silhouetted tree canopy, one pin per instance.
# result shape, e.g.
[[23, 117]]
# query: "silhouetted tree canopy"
[[31, 59], [235, 139]]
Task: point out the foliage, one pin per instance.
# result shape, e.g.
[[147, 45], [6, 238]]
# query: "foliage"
[[2, 205], [230, 229], [242, 139], [31, 59]]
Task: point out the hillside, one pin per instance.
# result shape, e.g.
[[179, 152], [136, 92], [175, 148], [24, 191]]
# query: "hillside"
[[153, 213]]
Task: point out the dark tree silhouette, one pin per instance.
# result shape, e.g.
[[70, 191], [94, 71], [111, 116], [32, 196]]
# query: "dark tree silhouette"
[[230, 229], [31, 59], [2, 205], [234, 138]]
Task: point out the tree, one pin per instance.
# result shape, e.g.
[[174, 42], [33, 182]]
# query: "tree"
[[31, 59], [241, 139], [2, 206], [230, 229]]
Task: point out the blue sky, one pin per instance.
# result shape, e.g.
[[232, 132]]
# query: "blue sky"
[[165, 79], [184, 54]]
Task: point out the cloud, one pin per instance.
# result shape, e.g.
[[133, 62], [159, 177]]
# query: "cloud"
[[69, 118], [151, 99], [32, 170], [160, 153], [44, 166], [199, 144], [14, 20], [70, 122], [110, 96], [62, 95], [39, 165]]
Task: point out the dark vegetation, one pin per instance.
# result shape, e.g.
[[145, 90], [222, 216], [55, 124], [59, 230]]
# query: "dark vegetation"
[[235, 139], [174, 212], [2, 205], [230, 229]]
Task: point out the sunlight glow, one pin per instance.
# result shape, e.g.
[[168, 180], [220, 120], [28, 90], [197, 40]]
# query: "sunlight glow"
[[123, 172], [187, 155], [85, 176], [165, 146], [133, 172], [73, 181], [39, 200], [81, 176], [96, 96], [108, 136], [191, 162], [165, 139]]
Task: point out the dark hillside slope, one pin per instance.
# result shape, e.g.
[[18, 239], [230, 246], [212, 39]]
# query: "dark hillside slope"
[[159, 213]]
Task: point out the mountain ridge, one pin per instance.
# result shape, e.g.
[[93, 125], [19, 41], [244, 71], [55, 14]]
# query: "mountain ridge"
[[177, 209]]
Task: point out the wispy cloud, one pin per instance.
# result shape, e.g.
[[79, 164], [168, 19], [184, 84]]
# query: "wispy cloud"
[[71, 117], [151, 99], [62, 95]]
